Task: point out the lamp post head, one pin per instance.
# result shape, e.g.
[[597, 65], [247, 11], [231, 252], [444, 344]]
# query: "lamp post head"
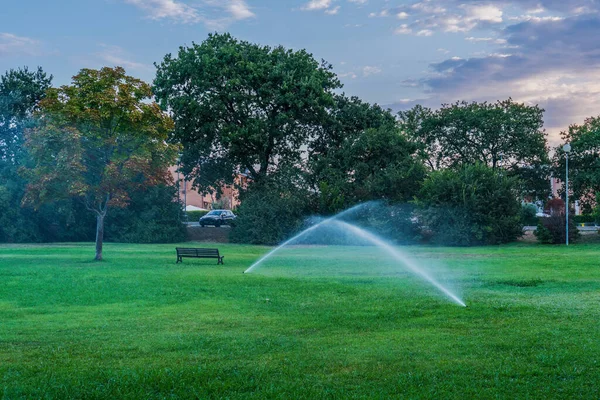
[[567, 148]]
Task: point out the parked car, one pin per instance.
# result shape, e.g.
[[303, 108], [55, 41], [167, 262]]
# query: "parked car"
[[218, 218]]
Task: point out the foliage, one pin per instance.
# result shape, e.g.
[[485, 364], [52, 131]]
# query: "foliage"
[[585, 219], [584, 161], [552, 229], [554, 206], [543, 234], [473, 205], [194, 216], [20, 93], [596, 210], [271, 213], [98, 140], [393, 221], [241, 106], [529, 214], [504, 134], [362, 156], [152, 216], [17, 225]]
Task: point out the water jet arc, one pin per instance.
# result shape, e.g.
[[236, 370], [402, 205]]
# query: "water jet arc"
[[298, 236], [375, 240], [407, 262]]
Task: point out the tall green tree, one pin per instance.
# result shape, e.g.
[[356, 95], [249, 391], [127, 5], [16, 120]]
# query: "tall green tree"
[[242, 106], [97, 140], [361, 155], [20, 93], [505, 134], [584, 161]]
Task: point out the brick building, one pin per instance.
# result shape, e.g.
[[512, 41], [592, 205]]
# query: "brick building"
[[191, 197]]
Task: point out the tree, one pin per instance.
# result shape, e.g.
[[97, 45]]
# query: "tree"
[[241, 106], [360, 155], [504, 134], [274, 211], [376, 164], [20, 93], [584, 161], [469, 206], [97, 140]]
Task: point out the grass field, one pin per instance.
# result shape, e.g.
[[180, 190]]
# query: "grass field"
[[314, 323]]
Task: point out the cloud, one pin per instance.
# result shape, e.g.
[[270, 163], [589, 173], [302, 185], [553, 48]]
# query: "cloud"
[[168, 9], [117, 56], [239, 10], [11, 44], [333, 11], [327, 6], [462, 16], [370, 70], [556, 63], [317, 5], [222, 12]]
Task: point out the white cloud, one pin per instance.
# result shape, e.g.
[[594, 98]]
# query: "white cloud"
[[485, 39], [402, 15], [370, 70], [425, 32], [167, 9], [361, 2], [117, 56], [403, 29], [226, 11], [488, 13], [239, 10], [317, 5], [351, 75], [333, 11], [11, 44]]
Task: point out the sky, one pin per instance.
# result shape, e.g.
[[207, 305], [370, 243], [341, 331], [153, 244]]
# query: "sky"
[[396, 53]]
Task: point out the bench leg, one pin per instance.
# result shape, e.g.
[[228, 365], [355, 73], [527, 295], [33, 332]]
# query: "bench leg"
[[220, 262], [179, 260]]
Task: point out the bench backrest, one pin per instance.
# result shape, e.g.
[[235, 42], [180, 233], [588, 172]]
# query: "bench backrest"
[[197, 252]]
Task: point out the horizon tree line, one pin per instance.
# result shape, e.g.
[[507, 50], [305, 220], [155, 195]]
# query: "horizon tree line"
[[229, 105]]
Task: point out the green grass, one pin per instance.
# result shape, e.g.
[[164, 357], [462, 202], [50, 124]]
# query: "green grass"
[[312, 323]]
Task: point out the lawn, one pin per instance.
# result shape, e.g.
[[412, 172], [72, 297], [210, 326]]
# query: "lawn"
[[314, 322]]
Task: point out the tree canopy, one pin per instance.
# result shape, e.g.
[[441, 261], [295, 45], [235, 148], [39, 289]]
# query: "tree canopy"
[[97, 140], [20, 93], [584, 161], [238, 106], [505, 134]]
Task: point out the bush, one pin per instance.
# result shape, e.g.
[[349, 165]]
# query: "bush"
[[528, 214], [475, 205], [269, 214], [153, 216], [584, 219], [194, 216], [552, 230]]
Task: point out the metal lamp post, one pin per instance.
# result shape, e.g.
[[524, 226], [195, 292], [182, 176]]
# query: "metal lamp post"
[[567, 150]]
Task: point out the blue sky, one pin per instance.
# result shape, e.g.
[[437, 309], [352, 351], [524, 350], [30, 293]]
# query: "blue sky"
[[393, 52]]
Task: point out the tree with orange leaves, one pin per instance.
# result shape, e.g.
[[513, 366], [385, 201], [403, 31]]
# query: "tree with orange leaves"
[[97, 140]]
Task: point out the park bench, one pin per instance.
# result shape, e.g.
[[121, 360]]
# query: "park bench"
[[198, 253]]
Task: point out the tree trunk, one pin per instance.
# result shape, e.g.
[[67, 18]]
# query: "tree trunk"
[[99, 236]]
